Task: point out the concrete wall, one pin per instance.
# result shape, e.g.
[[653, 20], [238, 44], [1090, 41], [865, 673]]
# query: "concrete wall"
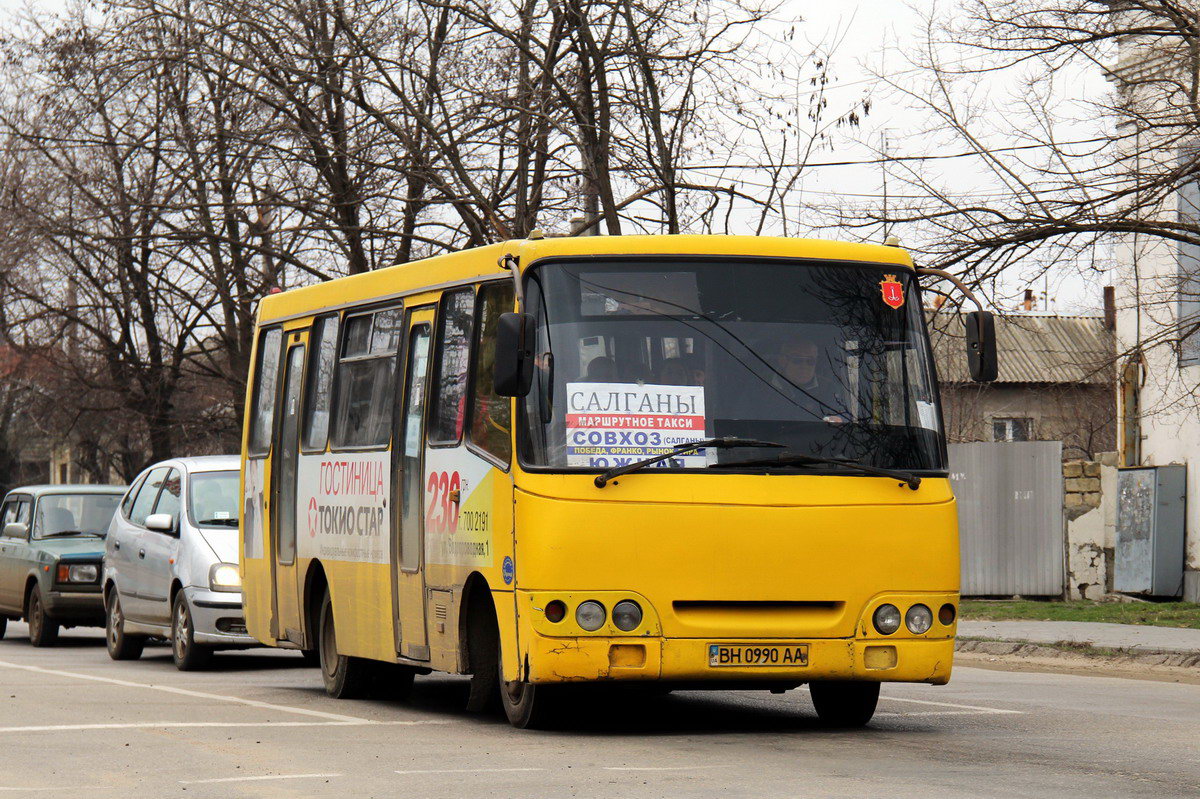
[[1082, 417]]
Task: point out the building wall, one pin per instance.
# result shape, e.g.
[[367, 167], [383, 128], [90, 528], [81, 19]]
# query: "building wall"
[[1167, 429], [1079, 416]]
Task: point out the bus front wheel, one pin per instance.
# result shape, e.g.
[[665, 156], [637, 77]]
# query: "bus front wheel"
[[345, 677], [844, 703], [528, 706]]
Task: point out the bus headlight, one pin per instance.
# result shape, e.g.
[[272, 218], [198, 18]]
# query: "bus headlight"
[[918, 619], [224, 577], [590, 615], [886, 619], [627, 615]]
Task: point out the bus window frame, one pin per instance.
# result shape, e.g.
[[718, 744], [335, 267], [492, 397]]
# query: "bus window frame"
[[438, 345], [504, 466], [520, 435], [311, 362], [263, 332], [335, 393]]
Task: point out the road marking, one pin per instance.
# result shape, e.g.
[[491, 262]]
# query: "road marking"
[[923, 713], [466, 770], [57, 788], [977, 708], [259, 779], [657, 768], [185, 692], [160, 725]]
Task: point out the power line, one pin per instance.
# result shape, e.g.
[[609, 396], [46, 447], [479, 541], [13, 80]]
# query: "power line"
[[895, 158]]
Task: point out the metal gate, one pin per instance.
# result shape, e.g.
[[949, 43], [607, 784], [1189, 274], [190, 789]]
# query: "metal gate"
[[1010, 517]]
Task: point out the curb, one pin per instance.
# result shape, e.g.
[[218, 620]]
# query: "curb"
[[1116, 654]]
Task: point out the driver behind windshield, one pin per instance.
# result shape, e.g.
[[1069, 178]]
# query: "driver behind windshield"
[[796, 377]]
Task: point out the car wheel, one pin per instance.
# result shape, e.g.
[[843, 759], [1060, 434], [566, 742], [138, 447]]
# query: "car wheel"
[[844, 703], [528, 706], [120, 645], [43, 631], [345, 677], [187, 654], [3, 626]]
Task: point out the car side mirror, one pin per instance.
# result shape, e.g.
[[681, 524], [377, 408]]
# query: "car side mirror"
[[514, 354], [16, 530], [162, 522], [981, 346]]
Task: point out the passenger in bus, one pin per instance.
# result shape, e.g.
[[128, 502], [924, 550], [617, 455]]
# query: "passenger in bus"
[[674, 372], [601, 369]]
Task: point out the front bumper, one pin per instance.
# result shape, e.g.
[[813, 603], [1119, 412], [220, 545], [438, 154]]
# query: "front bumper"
[[685, 660], [81, 606], [212, 610]]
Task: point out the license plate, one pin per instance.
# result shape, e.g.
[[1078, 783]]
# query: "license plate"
[[757, 655]]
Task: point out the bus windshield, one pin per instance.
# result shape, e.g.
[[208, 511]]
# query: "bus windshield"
[[638, 355]]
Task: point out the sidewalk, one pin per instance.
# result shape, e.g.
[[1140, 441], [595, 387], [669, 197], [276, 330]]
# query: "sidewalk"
[[1134, 639]]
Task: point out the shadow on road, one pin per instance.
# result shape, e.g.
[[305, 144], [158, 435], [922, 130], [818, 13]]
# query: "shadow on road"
[[622, 711]]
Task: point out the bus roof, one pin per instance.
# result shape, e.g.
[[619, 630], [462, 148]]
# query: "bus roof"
[[482, 262]]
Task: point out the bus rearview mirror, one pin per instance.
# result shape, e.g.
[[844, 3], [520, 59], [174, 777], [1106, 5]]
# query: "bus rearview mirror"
[[514, 354], [981, 346]]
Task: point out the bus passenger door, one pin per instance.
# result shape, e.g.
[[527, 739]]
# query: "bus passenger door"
[[408, 532], [283, 476]]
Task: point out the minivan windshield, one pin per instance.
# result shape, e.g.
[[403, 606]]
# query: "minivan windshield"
[[635, 356], [60, 515], [214, 499]]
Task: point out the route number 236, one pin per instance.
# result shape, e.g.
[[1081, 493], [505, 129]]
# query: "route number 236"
[[441, 515]]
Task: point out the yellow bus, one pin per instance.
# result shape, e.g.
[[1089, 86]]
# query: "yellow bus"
[[682, 461]]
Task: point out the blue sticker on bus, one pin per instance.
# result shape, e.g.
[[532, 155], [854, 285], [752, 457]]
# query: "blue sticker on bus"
[[509, 570]]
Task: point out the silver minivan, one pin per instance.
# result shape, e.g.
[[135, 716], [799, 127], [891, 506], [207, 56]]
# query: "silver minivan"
[[171, 562]]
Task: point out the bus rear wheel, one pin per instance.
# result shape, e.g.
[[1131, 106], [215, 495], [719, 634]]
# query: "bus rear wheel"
[[844, 703], [345, 677]]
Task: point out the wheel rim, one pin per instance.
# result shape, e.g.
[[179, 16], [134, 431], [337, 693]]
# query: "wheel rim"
[[114, 622], [35, 616], [328, 646], [182, 631]]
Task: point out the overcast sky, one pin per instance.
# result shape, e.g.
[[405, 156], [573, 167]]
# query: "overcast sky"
[[866, 36]]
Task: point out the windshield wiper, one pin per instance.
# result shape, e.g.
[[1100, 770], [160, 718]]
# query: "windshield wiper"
[[218, 522], [794, 458], [70, 532], [727, 442]]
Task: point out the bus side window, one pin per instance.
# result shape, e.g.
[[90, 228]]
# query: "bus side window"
[[491, 426], [456, 319], [266, 376], [365, 382], [319, 383]]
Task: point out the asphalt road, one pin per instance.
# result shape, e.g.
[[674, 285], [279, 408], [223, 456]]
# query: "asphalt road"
[[74, 723]]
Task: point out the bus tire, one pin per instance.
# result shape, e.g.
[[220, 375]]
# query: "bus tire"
[[121, 645], [483, 650], [345, 677], [844, 703], [43, 630], [528, 706]]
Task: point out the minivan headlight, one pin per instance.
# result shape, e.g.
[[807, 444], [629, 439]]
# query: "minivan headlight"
[[225, 577]]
